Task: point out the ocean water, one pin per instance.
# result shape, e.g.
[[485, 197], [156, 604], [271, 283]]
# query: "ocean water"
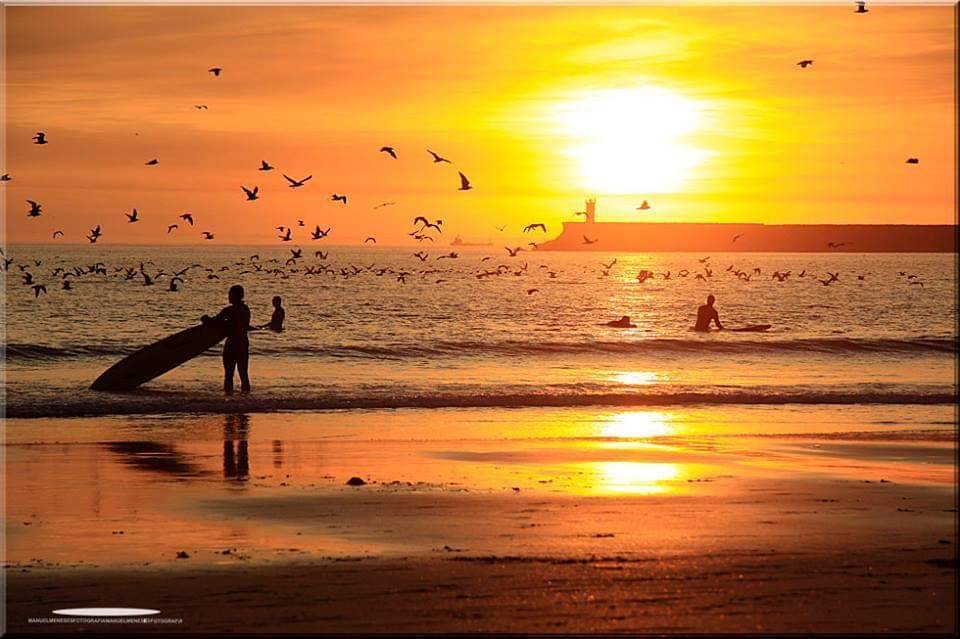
[[532, 335]]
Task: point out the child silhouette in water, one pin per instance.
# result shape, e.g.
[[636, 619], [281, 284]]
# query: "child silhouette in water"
[[235, 321], [276, 321]]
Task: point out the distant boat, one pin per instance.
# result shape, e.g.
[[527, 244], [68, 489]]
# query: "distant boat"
[[458, 242]]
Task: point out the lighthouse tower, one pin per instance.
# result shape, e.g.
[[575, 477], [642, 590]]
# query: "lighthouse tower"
[[591, 211]]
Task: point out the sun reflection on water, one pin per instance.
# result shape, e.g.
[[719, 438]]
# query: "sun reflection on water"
[[638, 424], [637, 478]]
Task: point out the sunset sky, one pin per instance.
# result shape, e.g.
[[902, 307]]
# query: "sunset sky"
[[702, 111]]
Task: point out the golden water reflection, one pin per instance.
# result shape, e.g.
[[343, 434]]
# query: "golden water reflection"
[[636, 378], [638, 424], [635, 478]]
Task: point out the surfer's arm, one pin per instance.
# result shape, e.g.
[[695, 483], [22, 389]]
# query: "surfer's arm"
[[716, 320]]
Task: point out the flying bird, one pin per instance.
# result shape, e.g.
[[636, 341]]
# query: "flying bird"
[[384, 204], [913, 160], [265, 166], [464, 182], [587, 240], [389, 150], [152, 162], [39, 288], [57, 234], [338, 198], [207, 235], [287, 237], [803, 64], [316, 234], [34, 209], [132, 217], [861, 7], [437, 158], [533, 227], [171, 228], [187, 217], [215, 71], [5, 177], [200, 106], [39, 138], [251, 195], [513, 252], [370, 239], [643, 206], [296, 183], [738, 236]]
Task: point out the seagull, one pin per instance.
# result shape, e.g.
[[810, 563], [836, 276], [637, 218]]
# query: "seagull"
[[803, 64], [836, 244], [187, 217], [512, 252], [861, 7], [57, 234], [389, 150], [171, 228], [532, 227], [320, 254], [40, 138], [587, 240], [34, 209], [738, 236], [173, 284], [643, 207], [296, 183], [38, 288], [370, 239], [913, 160], [316, 234], [132, 217], [207, 235], [500, 228], [338, 198], [437, 158], [420, 255], [287, 237], [200, 106], [464, 182], [5, 177], [609, 266], [65, 284], [152, 162], [531, 291], [215, 71], [251, 195], [95, 232], [384, 204], [265, 166]]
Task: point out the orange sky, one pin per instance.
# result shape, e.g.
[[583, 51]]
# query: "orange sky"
[[700, 110]]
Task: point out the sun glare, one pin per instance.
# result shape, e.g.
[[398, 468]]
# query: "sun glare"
[[632, 141]]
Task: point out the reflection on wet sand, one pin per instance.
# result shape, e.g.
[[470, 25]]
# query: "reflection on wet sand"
[[236, 459]]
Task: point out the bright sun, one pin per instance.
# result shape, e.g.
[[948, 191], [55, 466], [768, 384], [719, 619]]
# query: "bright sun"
[[632, 141]]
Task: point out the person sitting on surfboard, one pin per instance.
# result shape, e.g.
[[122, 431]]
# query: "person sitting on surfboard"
[[235, 320], [706, 314], [276, 322], [623, 322]]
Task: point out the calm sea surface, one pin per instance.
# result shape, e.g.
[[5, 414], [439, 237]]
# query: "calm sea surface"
[[357, 337]]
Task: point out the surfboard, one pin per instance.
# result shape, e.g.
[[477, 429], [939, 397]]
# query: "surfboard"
[[158, 358], [753, 328]]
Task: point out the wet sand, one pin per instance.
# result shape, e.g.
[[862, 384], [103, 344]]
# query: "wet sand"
[[742, 519]]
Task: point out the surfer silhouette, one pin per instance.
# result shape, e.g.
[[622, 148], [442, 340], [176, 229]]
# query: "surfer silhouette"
[[235, 321], [706, 314], [276, 321]]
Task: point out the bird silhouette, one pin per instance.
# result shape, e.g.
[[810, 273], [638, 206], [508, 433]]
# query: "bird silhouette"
[[152, 162], [861, 7], [420, 255], [39, 138], [643, 207], [382, 204], [287, 237], [370, 239], [803, 64], [132, 217], [171, 227], [533, 227], [188, 218], [389, 150], [215, 71], [913, 160], [251, 195], [207, 235], [203, 107], [317, 234], [437, 158], [173, 284], [34, 209], [294, 184], [37, 289], [587, 240], [57, 234], [5, 177], [464, 182], [265, 166], [738, 236], [513, 252], [338, 198]]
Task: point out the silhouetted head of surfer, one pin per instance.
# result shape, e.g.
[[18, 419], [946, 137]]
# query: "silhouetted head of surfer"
[[277, 301], [236, 294], [710, 299]]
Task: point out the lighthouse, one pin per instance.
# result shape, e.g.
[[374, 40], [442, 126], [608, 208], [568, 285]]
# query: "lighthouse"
[[591, 210]]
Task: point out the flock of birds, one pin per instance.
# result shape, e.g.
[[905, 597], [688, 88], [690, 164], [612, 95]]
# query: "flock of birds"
[[423, 230], [299, 265]]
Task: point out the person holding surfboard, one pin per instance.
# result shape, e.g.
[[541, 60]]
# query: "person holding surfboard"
[[706, 314], [235, 322]]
